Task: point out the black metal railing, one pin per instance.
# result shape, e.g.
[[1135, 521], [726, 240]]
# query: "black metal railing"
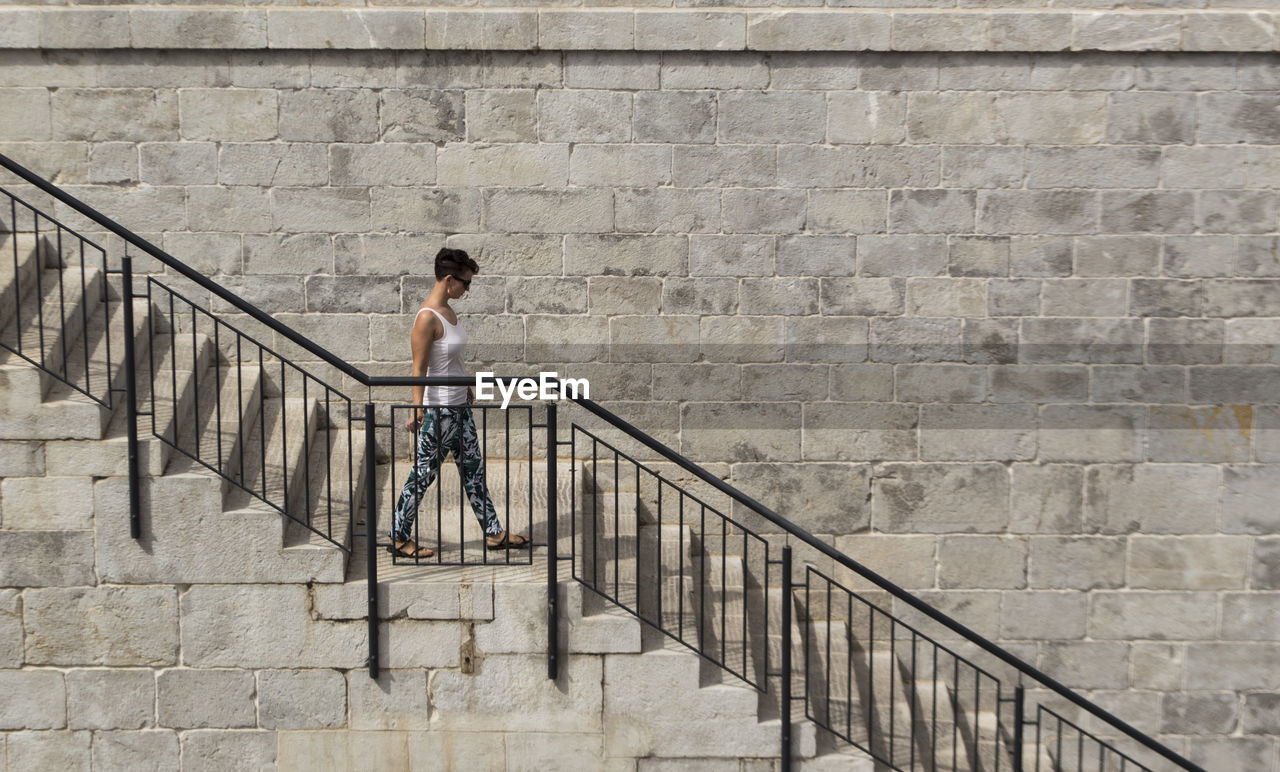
[[893, 691], [911, 698], [233, 405], [56, 299], [948, 711], [669, 557]]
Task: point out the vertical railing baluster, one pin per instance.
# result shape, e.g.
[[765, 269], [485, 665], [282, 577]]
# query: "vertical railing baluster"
[[306, 451], [217, 393], [40, 258], [173, 373], [284, 435], [17, 273]]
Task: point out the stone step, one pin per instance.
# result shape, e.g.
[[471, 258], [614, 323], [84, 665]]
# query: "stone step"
[[18, 261], [336, 488], [52, 319]]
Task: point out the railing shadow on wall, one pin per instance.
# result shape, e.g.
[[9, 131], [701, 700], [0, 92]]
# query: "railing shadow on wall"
[[821, 636]]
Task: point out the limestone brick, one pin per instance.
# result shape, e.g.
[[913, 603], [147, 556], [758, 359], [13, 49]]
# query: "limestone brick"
[[550, 211], [40, 503], [50, 750], [509, 115], [593, 30], [510, 693], [772, 116], [213, 749], [863, 297], [630, 165], [902, 255], [1022, 31], [724, 165], [1185, 616], [1058, 616], [953, 432], [665, 339], [301, 699], [277, 630], [1120, 32], [135, 750], [197, 28], [111, 698], [1249, 617], [46, 558], [115, 114], [666, 210], [710, 427], [915, 339], [384, 164], [1168, 499], [794, 30], [1246, 491], [1087, 664], [821, 498], [675, 116], [1253, 31], [37, 700], [110, 626], [611, 70], [425, 209], [690, 29], [941, 498], [933, 31], [982, 562]]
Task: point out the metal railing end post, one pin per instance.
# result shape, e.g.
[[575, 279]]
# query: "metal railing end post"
[[371, 533], [785, 712], [1019, 706], [553, 561], [131, 399]]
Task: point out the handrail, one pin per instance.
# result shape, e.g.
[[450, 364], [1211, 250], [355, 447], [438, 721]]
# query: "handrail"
[[898, 592], [638, 434]]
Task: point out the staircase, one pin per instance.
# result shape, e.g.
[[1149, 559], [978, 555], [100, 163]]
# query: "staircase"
[[254, 473]]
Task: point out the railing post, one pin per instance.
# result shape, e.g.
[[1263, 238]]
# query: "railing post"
[[131, 400], [1019, 703], [553, 560], [371, 533], [786, 658]]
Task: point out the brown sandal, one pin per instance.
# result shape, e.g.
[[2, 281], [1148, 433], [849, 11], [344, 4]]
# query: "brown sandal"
[[409, 549], [507, 540]]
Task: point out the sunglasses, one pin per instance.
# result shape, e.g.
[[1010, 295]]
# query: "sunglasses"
[[466, 283]]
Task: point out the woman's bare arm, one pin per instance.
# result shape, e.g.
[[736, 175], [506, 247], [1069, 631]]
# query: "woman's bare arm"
[[425, 330]]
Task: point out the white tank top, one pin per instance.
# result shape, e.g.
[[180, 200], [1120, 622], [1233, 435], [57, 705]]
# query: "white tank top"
[[446, 359]]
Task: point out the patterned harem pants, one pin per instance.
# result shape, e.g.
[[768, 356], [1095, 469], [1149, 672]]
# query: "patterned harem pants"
[[453, 429]]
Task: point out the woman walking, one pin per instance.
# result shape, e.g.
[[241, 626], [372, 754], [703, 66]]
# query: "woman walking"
[[444, 423]]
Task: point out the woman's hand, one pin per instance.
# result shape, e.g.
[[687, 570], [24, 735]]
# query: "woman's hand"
[[414, 421]]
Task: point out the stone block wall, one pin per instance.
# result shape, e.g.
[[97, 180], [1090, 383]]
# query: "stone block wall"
[[988, 296]]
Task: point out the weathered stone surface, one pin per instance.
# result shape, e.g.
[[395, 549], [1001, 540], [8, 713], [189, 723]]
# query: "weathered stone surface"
[[860, 432], [1247, 496], [111, 699], [982, 562], [1046, 498], [515, 165], [512, 693], [102, 626], [301, 699], [41, 503], [686, 29], [822, 498], [198, 28], [37, 699], [951, 432], [1043, 615], [46, 558], [1076, 562], [202, 699], [631, 165], [154, 750], [50, 750], [1091, 433], [275, 630], [717, 430], [808, 31], [941, 498], [1165, 499], [906, 560], [208, 750], [1087, 664], [1153, 615]]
